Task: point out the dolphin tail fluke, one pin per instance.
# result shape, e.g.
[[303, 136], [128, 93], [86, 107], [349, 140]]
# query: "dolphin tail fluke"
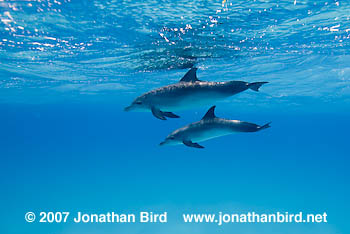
[[264, 126], [256, 85]]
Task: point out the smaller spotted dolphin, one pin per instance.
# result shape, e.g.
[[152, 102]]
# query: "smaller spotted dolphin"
[[207, 128]]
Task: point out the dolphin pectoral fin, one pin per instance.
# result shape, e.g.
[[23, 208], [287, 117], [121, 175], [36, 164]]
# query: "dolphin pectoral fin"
[[191, 144], [158, 113], [162, 114], [170, 114]]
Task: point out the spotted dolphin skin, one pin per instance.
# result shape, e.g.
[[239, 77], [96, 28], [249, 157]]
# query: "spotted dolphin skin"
[[187, 93], [207, 128]]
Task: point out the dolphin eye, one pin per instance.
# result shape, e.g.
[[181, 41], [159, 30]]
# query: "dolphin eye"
[[171, 138], [138, 103]]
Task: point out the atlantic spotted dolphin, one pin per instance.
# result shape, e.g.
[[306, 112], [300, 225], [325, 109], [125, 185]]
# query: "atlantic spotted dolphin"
[[187, 93], [207, 128]]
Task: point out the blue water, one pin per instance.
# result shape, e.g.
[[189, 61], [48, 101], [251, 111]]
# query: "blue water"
[[68, 68]]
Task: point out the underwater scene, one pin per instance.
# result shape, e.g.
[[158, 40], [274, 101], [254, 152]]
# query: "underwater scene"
[[170, 108]]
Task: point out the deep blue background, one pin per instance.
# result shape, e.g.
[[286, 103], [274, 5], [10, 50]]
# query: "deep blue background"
[[96, 158]]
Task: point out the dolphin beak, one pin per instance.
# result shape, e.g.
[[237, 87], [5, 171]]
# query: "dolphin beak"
[[162, 143], [128, 108]]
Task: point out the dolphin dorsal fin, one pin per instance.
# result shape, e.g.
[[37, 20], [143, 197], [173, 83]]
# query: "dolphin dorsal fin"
[[210, 113], [190, 76]]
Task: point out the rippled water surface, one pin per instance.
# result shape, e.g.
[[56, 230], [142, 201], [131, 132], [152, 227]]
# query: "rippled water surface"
[[58, 48]]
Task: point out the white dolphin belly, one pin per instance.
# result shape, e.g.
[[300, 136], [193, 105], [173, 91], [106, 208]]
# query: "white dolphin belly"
[[206, 134]]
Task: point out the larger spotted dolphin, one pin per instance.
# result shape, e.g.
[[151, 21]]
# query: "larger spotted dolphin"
[[207, 128], [188, 92]]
